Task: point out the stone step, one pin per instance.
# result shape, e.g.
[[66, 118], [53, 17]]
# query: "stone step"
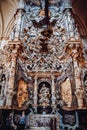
[[39, 128]]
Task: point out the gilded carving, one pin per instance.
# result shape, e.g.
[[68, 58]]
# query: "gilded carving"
[[22, 94], [66, 92], [49, 51]]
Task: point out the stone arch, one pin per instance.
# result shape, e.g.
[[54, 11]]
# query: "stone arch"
[[81, 27]]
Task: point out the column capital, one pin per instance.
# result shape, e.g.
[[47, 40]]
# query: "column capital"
[[14, 46], [15, 42]]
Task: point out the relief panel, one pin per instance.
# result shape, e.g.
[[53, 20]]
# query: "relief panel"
[[22, 95], [66, 92]]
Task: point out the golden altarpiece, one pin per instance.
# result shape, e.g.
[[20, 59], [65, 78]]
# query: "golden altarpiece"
[[43, 65]]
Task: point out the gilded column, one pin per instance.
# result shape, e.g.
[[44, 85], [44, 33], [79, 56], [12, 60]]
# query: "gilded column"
[[77, 74], [10, 89], [75, 50], [79, 88], [14, 45]]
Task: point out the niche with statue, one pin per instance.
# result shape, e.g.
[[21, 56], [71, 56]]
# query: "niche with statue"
[[44, 97]]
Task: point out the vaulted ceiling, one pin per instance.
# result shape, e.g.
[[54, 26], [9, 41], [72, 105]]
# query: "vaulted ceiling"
[[8, 9], [80, 10]]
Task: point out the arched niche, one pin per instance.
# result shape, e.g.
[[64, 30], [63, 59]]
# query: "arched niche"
[[44, 98], [44, 94]]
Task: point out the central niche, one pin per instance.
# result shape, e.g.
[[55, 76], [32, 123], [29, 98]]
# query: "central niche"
[[44, 97]]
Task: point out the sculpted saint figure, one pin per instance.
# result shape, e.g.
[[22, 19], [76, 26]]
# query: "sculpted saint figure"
[[44, 96]]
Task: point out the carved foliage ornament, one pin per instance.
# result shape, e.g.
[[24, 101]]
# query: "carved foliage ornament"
[[33, 39], [39, 51]]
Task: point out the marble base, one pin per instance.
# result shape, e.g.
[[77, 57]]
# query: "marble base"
[[44, 121]]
